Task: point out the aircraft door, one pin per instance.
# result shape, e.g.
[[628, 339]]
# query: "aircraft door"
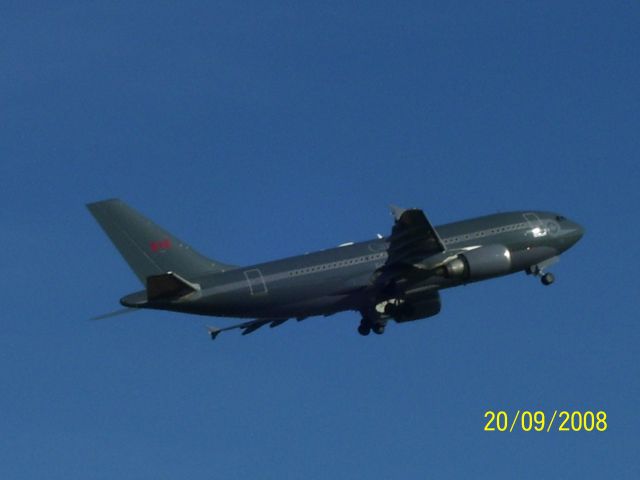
[[538, 228], [255, 280], [532, 219]]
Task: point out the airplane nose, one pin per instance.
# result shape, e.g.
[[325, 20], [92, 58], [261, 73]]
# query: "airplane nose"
[[577, 232]]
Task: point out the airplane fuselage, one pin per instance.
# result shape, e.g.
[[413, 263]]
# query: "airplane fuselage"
[[337, 279]]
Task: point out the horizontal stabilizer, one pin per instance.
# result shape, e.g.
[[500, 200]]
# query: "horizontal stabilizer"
[[116, 313], [169, 285]]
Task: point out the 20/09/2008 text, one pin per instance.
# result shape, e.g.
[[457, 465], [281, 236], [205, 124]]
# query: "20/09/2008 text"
[[538, 421]]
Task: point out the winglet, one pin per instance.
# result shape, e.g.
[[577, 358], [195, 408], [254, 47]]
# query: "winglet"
[[213, 332]]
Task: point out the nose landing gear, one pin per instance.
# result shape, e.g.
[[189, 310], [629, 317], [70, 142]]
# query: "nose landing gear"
[[546, 278]]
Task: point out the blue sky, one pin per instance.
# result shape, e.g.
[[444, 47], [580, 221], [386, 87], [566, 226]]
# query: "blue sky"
[[257, 130]]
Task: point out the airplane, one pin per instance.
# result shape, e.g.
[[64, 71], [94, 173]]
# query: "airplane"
[[398, 277]]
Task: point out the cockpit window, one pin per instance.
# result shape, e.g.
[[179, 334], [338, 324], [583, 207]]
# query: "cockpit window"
[[560, 218]]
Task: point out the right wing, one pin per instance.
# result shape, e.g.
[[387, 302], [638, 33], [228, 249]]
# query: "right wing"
[[248, 327]]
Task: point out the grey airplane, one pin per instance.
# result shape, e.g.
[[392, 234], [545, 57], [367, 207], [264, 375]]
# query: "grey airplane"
[[397, 277]]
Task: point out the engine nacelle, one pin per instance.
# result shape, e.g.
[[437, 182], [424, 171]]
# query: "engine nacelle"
[[417, 308], [482, 262], [408, 312]]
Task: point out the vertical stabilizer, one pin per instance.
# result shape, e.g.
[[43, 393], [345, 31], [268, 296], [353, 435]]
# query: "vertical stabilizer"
[[148, 248]]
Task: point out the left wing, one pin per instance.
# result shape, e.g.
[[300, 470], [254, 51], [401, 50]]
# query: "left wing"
[[413, 238], [248, 327]]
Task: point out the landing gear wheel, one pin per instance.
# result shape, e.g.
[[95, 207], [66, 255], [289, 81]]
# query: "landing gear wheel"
[[378, 328], [547, 279], [364, 330]]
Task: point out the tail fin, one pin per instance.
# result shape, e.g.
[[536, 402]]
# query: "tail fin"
[[147, 248]]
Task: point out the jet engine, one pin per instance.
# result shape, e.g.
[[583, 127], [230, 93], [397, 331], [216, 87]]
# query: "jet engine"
[[482, 262], [411, 307], [416, 310]]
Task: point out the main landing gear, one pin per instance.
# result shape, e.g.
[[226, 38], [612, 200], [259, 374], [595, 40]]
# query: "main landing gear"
[[546, 278], [364, 329], [367, 326], [375, 319]]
